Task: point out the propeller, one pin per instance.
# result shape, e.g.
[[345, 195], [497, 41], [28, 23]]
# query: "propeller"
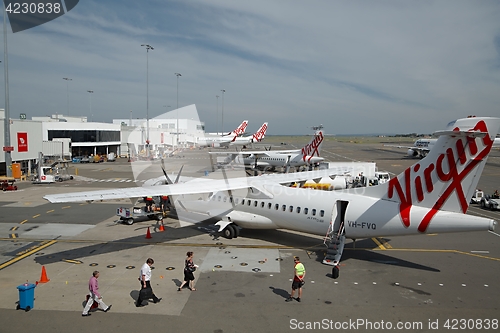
[[169, 181]]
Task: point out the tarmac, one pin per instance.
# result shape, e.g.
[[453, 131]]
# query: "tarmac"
[[416, 283]]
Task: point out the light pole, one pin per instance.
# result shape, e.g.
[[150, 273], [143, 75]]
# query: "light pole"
[[90, 103], [223, 91], [177, 74], [217, 116], [67, 89], [148, 47], [6, 123]]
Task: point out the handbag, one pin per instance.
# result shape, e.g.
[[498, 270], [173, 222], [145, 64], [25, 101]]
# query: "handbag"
[[146, 293], [190, 269]]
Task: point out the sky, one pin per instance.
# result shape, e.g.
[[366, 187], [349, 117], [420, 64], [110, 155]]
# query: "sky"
[[357, 67]]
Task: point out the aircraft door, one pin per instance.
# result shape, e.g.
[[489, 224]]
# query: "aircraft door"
[[338, 215]]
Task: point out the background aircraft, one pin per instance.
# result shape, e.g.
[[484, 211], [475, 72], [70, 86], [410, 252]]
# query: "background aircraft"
[[217, 140], [308, 155], [421, 147]]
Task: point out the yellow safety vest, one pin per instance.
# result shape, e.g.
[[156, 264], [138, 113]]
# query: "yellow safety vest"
[[299, 269]]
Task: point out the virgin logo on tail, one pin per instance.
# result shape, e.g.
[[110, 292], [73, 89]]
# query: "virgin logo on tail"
[[241, 129], [312, 148], [261, 133], [446, 172]]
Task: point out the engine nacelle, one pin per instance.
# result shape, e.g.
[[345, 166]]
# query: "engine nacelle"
[[251, 221], [412, 153]]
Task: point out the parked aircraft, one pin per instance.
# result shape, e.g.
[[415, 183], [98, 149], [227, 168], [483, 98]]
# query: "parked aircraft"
[[239, 131], [422, 147], [308, 155], [245, 140], [432, 196], [221, 139]]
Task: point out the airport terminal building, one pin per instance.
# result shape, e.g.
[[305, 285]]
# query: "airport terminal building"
[[65, 137]]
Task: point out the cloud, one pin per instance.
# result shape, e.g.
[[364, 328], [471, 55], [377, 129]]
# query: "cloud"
[[353, 66]]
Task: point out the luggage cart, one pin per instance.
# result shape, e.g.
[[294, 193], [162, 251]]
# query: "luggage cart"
[[129, 215]]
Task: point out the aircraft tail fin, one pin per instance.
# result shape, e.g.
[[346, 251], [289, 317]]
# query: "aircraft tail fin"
[[260, 134], [240, 129], [313, 148], [447, 177]]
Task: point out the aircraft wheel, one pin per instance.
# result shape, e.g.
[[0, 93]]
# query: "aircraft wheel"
[[129, 221], [228, 232], [60, 180], [236, 230]]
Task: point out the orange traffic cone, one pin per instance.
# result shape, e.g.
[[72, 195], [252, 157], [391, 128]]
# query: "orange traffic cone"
[[148, 234], [162, 228], [44, 278]]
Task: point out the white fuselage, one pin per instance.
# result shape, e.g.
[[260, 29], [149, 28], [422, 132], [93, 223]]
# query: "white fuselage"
[[312, 211], [278, 160]]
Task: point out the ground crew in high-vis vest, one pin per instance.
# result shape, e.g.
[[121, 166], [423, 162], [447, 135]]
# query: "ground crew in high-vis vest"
[[298, 279], [149, 204]]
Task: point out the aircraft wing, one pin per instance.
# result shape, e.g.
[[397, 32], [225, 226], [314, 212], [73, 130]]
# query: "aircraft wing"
[[257, 153], [204, 185]]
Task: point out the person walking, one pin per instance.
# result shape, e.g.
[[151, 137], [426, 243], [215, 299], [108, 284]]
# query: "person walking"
[[298, 279], [189, 268], [146, 291], [94, 295]]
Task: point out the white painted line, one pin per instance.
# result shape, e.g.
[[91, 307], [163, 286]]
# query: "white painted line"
[[494, 233], [480, 251]]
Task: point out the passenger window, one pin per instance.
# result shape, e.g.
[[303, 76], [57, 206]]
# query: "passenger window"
[[276, 206], [231, 199], [249, 202], [242, 201], [269, 205], [284, 208], [298, 210], [291, 209], [262, 204], [313, 212], [224, 199], [218, 198], [322, 213], [256, 203], [306, 210]]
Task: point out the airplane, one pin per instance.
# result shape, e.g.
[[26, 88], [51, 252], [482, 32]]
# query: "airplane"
[[308, 155], [421, 147], [220, 139], [239, 131], [431, 196], [245, 140]]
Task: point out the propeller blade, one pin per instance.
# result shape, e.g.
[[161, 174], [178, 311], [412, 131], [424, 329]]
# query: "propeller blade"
[[178, 175], [169, 181]]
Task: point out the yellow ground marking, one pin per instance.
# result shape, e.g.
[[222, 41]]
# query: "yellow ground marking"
[[50, 211], [36, 216], [42, 246], [66, 207], [71, 261], [375, 240], [384, 243], [23, 222]]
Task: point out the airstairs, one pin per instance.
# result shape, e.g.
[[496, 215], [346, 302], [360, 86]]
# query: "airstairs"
[[334, 239]]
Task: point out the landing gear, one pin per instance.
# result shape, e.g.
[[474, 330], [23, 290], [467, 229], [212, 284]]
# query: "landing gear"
[[231, 231]]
